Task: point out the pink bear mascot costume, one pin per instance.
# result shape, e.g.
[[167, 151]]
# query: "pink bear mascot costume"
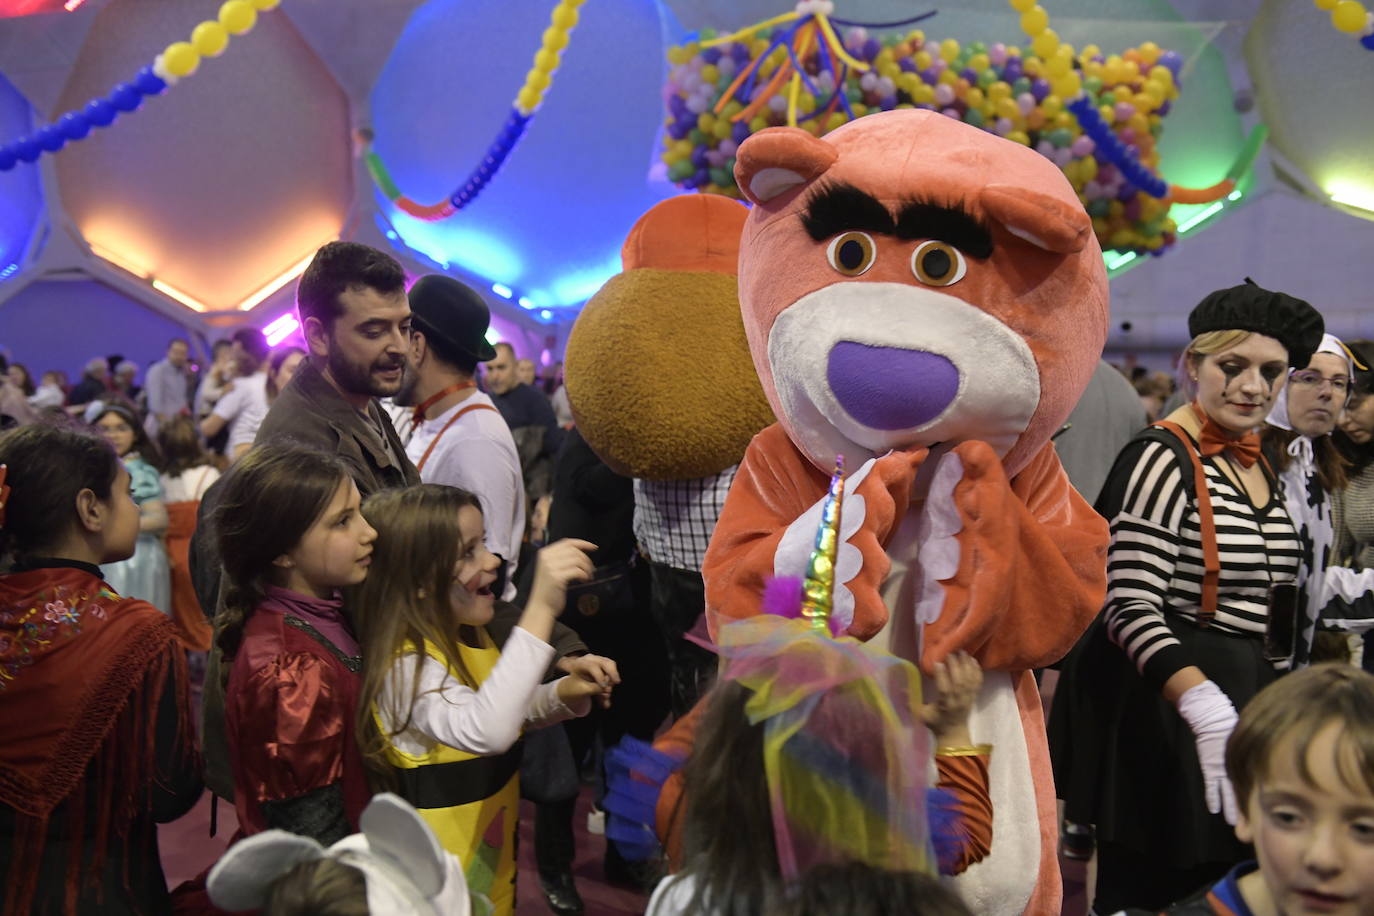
[[928, 301]]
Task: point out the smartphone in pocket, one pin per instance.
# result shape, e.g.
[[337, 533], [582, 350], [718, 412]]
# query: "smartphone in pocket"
[[1281, 627]]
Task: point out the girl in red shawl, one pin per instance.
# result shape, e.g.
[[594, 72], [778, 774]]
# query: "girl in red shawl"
[[291, 535], [98, 745]]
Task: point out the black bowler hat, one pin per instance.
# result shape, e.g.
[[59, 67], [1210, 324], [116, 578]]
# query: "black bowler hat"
[[444, 308], [1251, 307]]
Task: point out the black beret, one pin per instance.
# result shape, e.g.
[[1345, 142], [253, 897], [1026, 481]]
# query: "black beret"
[[1251, 307]]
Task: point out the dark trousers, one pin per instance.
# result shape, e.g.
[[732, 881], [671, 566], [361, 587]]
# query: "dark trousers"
[[1129, 879], [677, 599], [629, 635]]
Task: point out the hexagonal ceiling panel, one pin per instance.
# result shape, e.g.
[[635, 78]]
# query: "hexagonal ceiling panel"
[[1313, 86], [21, 193], [551, 223], [229, 178]]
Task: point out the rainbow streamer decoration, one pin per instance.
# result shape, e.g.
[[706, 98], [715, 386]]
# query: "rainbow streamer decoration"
[[531, 95], [179, 59], [818, 589]]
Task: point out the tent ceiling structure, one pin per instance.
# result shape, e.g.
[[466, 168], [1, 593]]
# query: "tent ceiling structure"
[[258, 149]]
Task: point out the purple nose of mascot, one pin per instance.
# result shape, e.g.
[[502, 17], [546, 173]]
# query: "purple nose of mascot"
[[891, 387]]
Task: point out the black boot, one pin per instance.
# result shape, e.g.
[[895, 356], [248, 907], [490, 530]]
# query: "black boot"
[[553, 853]]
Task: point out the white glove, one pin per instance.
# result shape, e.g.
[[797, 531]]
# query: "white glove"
[[1211, 716]]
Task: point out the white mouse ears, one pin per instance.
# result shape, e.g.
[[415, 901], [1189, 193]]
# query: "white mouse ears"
[[408, 873]]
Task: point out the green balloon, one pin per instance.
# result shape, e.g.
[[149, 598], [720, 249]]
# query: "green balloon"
[[974, 116]]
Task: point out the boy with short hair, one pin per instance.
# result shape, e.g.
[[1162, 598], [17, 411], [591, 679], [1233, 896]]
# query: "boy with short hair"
[[1301, 760]]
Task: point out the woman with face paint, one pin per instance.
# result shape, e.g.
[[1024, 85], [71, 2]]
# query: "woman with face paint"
[[1200, 609], [1298, 442]]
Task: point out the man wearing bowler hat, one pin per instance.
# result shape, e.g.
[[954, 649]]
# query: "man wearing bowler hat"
[[459, 437]]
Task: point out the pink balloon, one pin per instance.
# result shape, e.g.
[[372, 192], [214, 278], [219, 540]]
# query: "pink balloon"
[[1026, 102], [997, 54], [944, 94], [1083, 146], [1124, 110]]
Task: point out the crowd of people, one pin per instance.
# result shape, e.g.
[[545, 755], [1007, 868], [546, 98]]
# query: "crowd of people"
[[401, 581]]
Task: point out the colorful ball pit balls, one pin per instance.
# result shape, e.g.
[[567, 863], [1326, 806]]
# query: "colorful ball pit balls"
[[1016, 92]]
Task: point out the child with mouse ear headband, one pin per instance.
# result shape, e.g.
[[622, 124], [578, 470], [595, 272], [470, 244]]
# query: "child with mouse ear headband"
[[396, 862]]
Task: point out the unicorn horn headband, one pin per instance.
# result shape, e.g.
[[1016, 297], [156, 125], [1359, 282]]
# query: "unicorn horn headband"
[[818, 589]]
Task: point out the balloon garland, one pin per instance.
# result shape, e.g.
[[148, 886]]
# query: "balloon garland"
[[1097, 117], [1351, 17], [531, 95], [180, 59]]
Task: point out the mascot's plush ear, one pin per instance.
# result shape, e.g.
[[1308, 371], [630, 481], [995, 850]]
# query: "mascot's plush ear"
[[1043, 220], [778, 159]]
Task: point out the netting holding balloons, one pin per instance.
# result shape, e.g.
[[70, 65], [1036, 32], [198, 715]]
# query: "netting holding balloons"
[[1014, 92]]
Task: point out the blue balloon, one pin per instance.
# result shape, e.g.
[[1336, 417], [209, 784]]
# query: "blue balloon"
[[100, 112], [126, 98], [50, 138], [148, 82], [27, 149], [7, 158], [74, 125], [1368, 41]]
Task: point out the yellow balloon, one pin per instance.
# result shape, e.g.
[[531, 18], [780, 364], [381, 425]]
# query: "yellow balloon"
[[1019, 136], [924, 94], [1326, 4], [1007, 108], [710, 73], [1065, 86], [948, 77], [537, 80], [1056, 67], [1349, 16], [1149, 52], [705, 121], [263, 5], [1051, 105], [556, 39], [238, 16], [949, 49], [1046, 43], [1035, 20], [527, 100], [975, 98], [546, 61], [922, 60], [999, 90], [564, 16], [1164, 75], [1022, 5], [979, 62], [181, 59], [209, 39], [721, 129]]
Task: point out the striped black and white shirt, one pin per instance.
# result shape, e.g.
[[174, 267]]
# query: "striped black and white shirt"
[[1155, 563]]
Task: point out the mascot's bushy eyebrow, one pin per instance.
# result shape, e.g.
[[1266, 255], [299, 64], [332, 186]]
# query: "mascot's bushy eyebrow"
[[840, 207]]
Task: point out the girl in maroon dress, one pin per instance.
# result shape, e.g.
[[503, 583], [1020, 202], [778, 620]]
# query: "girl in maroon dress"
[[291, 534]]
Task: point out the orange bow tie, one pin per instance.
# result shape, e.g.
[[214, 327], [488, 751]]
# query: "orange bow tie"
[[1215, 440]]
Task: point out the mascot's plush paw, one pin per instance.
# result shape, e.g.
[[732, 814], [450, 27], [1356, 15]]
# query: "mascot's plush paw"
[[985, 495]]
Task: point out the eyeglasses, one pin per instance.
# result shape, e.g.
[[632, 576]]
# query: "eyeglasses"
[[1310, 378]]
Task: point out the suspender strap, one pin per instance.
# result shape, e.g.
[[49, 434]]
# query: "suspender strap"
[[1211, 558], [420, 465]]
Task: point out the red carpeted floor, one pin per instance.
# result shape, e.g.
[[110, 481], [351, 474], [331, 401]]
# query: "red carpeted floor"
[[188, 849]]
